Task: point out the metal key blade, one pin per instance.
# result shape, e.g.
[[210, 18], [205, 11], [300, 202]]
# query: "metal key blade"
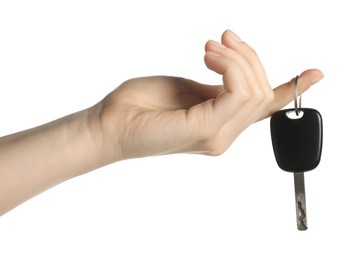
[[301, 215]]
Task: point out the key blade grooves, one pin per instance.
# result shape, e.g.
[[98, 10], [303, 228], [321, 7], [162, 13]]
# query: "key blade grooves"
[[300, 200]]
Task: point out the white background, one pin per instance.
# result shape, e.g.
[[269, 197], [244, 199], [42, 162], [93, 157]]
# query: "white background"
[[58, 57]]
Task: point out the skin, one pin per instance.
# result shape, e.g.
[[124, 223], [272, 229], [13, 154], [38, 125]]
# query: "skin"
[[145, 117]]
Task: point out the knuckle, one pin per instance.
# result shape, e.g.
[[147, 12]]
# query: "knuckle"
[[252, 53], [245, 95], [253, 56], [263, 96], [259, 96]]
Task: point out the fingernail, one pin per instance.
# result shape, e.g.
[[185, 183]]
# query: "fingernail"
[[219, 45], [212, 54], [234, 36]]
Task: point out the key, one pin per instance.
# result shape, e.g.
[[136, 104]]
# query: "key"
[[297, 143]]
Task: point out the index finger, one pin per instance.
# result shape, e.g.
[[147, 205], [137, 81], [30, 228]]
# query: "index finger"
[[284, 94]]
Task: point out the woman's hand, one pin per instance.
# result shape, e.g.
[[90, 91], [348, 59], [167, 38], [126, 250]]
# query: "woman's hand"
[[162, 115], [143, 117]]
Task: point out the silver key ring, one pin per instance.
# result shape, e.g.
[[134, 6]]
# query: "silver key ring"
[[297, 98]]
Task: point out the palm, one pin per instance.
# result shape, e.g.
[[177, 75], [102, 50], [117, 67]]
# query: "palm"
[[154, 115]]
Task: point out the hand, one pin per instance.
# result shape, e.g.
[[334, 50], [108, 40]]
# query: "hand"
[[143, 117], [162, 115]]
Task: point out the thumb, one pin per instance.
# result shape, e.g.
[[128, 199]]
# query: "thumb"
[[284, 94]]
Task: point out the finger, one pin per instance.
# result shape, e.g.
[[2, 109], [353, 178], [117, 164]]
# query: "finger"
[[284, 94], [261, 94], [233, 76], [252, 79], [218, 111], [245, 104], [232, 41]]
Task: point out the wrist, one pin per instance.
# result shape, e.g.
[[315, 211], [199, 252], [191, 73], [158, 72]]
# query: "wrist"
[[104, 134], [35, 159]]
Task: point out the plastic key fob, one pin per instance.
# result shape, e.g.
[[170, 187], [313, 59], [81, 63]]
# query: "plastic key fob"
[[297, 140]]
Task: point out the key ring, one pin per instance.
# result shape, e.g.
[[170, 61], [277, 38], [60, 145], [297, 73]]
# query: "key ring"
[[297, 98]]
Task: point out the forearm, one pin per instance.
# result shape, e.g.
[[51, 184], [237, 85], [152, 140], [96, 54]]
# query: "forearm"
[[37, 159]]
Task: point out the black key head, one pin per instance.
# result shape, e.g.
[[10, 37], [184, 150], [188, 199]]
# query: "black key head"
[[297, 140]]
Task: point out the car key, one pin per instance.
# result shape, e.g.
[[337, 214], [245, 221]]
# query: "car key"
[[297, 136]]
